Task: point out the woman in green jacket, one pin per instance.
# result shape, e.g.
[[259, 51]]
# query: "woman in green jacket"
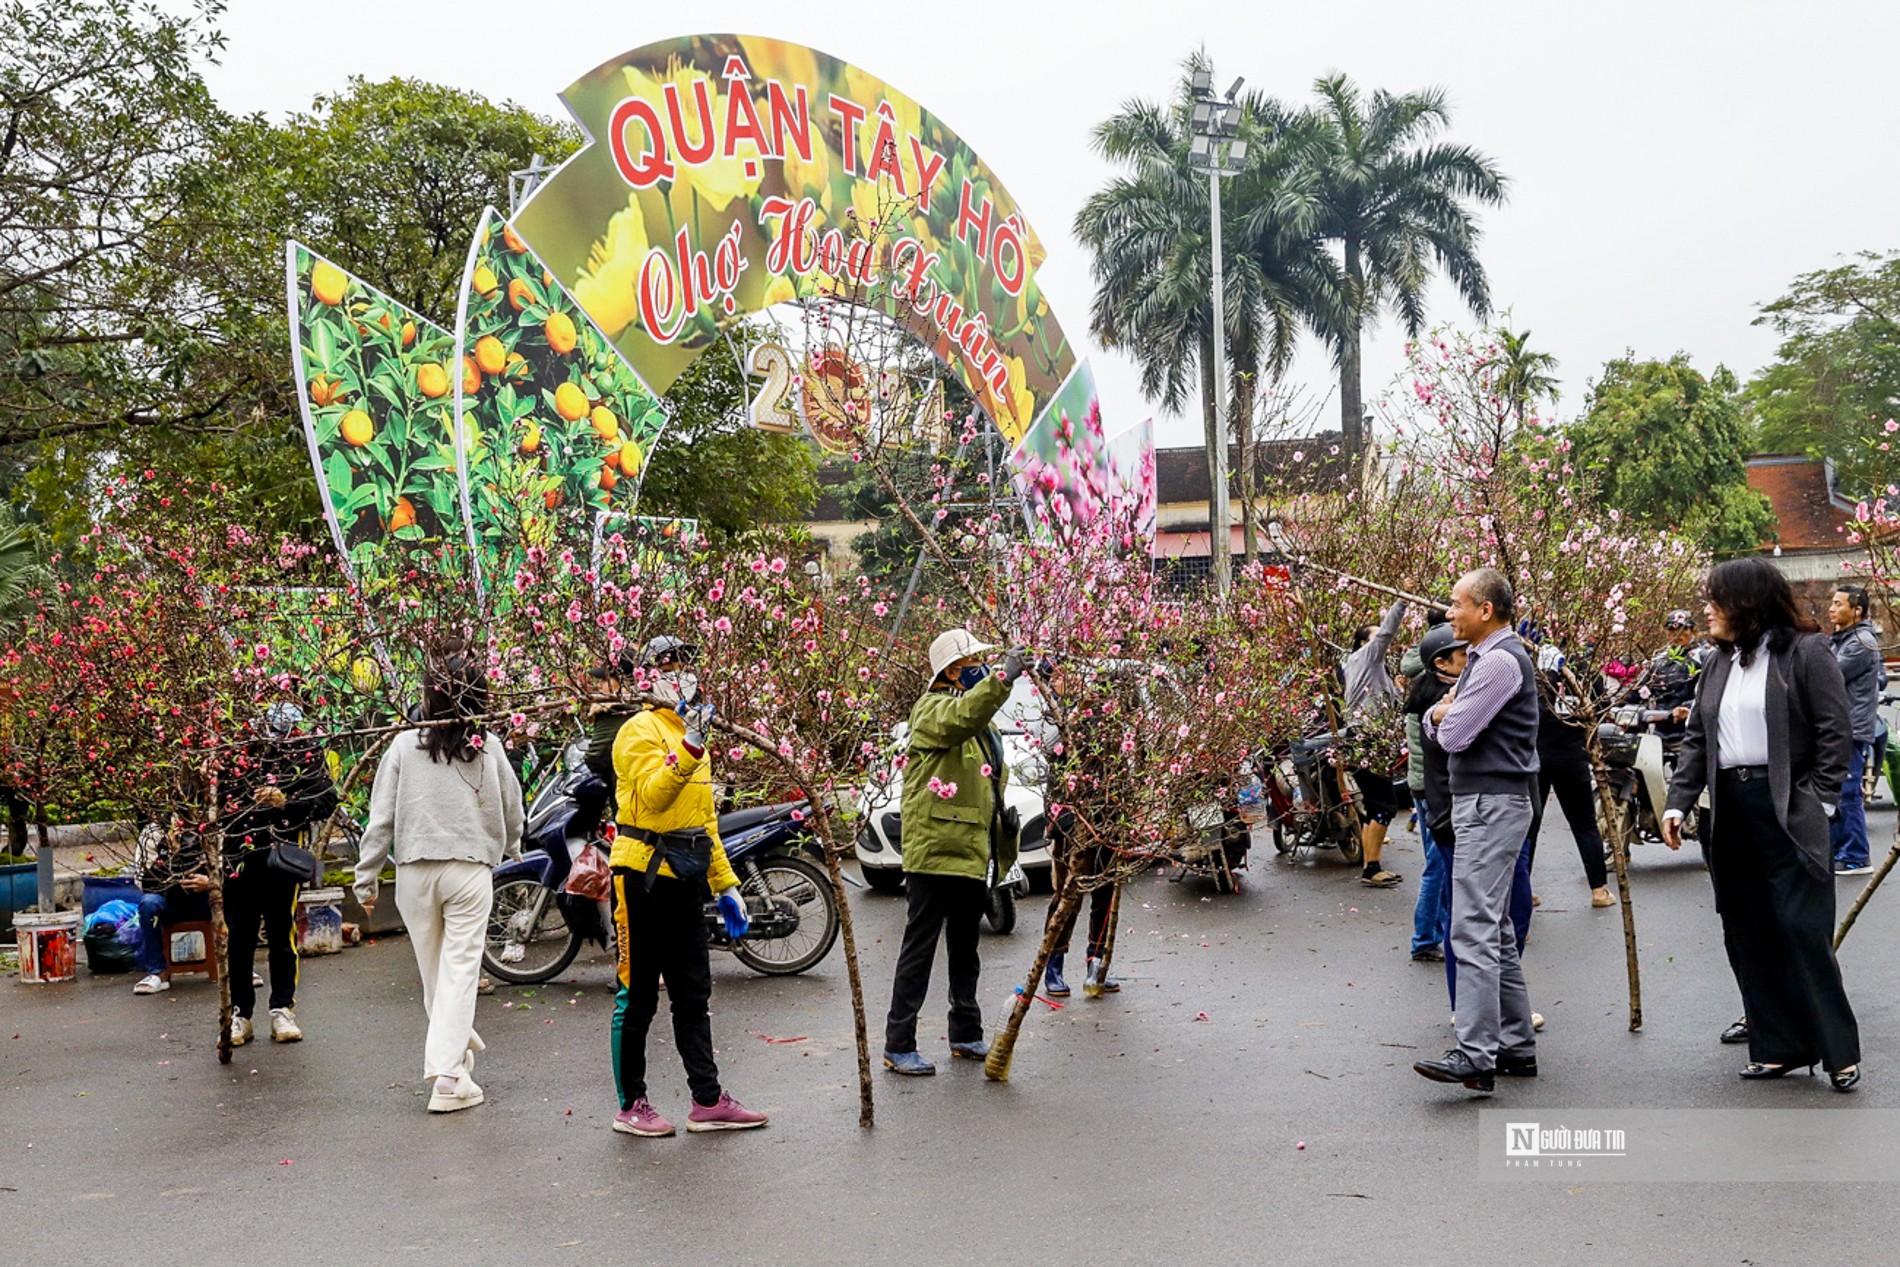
[[954, 776]]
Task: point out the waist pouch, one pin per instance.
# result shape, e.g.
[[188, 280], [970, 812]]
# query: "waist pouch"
[[687, 853]]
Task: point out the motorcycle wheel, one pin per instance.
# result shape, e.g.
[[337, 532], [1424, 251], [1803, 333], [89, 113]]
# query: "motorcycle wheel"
[[1280, 842], [547, 948], [806, 887], [1352, 847], [1001, 913]]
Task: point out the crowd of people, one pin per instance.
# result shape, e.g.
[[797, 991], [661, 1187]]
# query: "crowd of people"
[[1776, 725]]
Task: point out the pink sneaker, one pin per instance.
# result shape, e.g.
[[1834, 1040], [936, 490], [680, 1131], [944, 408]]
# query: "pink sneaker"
[[727, 1115], [643, 1120]]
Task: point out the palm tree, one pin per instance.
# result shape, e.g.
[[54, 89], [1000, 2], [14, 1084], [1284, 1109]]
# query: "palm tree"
[[1526, 377], [1398, 204], [19, 569], [1150, 235]]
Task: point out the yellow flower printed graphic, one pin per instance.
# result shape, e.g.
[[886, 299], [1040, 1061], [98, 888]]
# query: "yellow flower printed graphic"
[[608, 287]]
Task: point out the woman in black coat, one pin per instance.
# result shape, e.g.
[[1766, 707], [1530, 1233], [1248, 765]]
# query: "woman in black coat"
[[1769, 739]]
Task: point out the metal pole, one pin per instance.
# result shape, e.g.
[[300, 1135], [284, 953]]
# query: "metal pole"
[[1220, 532]]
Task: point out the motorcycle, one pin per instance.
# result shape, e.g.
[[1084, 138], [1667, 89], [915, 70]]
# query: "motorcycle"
[[1640, 763], [536, 927], [1309, 799]]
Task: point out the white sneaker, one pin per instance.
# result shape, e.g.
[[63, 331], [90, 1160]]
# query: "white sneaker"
[[1537, 1021], [464, 1094], [240, 1030], [257, 981], [152, 984], [283, 1026]]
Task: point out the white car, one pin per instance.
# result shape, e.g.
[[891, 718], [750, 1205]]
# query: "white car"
[[878, 846]]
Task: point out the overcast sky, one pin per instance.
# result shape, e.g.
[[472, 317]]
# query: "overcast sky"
[[1672, 163]]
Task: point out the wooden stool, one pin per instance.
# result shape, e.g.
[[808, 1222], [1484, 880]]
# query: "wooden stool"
[[208, 965]]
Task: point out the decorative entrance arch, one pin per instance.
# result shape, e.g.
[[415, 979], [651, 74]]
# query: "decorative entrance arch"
[[723, 174]]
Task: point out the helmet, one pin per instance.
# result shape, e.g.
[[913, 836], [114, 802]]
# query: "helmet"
[[279, 720], [1680, 618], [1438, 641], [683, 652], [953, 645]]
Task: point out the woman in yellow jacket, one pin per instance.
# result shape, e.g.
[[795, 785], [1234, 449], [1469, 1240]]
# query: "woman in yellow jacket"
[[666, 855]]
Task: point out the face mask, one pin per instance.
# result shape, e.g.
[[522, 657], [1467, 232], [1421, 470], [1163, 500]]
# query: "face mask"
[[675, 687], [972, 675]]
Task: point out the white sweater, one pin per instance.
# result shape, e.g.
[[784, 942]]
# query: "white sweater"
[[439, 811]]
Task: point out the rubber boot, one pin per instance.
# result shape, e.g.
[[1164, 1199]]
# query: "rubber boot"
[[1096, 984], [1052, 978]]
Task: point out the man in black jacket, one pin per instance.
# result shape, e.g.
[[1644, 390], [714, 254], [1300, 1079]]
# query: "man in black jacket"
[[279, 786]]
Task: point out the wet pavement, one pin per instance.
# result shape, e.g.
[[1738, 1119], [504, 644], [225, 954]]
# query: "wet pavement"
[[1163, 1123]]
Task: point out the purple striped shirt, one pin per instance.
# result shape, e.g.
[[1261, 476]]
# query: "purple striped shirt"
[[1487, 686]]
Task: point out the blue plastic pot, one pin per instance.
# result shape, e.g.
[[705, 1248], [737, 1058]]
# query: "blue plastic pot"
[[100, 889], [19, 889]]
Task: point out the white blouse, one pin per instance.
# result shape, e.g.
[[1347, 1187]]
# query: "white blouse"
[[1741, 724]]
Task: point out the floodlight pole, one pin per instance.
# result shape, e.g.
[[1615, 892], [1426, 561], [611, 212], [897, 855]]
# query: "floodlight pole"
[[1213, 121], [1222, 551]]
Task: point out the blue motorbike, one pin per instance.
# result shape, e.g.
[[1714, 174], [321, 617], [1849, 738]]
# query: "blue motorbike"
[[537, 928]]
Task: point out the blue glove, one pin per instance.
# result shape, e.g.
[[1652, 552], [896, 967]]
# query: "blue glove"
[[732, 912], [698, 717]]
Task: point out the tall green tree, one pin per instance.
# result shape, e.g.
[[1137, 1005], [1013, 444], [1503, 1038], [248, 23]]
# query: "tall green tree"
[[1399, 204], [1836, 376], [1670, 448], [1528, 375], [1149, 232], [102, 114]]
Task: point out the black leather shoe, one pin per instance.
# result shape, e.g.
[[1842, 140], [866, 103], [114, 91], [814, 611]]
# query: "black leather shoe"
[[1431, 954], [1755, 1071], [1736, 1033], [1516, 1066], [1456, 1067], [1844, 1081]]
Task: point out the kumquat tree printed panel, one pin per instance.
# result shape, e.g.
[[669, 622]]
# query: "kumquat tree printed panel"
[[555, 423], [374, 384]]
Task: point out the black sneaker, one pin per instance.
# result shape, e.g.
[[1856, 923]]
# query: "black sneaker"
[[1456, 1067], [1516, 1066], [1431, 954]]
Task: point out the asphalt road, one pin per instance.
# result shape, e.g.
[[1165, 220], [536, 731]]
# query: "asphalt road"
[[1162, 1124]]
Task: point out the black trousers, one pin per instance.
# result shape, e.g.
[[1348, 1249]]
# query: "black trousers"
[[255, 894], [662, 934], [950, 906], [1778, 925], [1092, 861], [1566, 770]]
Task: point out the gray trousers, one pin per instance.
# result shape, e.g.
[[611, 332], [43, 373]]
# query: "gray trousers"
[[1494, 1008]]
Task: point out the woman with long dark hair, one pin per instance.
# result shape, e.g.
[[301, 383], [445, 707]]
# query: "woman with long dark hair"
[[1769, 739], [449, 802]]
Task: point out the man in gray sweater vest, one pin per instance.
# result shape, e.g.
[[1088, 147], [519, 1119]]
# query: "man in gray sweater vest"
[[1488, 725]]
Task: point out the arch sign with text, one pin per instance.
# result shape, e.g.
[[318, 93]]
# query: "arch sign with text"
[[720, 178], [723, 174]]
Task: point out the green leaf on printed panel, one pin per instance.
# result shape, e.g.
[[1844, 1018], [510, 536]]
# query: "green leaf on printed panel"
[[339, 476]]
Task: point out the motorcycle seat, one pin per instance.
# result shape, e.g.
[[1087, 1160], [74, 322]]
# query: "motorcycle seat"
[[740, 820], [1317, 743]]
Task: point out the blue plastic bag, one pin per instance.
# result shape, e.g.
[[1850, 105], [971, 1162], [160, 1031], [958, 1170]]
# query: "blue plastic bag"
[[113, 913]]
